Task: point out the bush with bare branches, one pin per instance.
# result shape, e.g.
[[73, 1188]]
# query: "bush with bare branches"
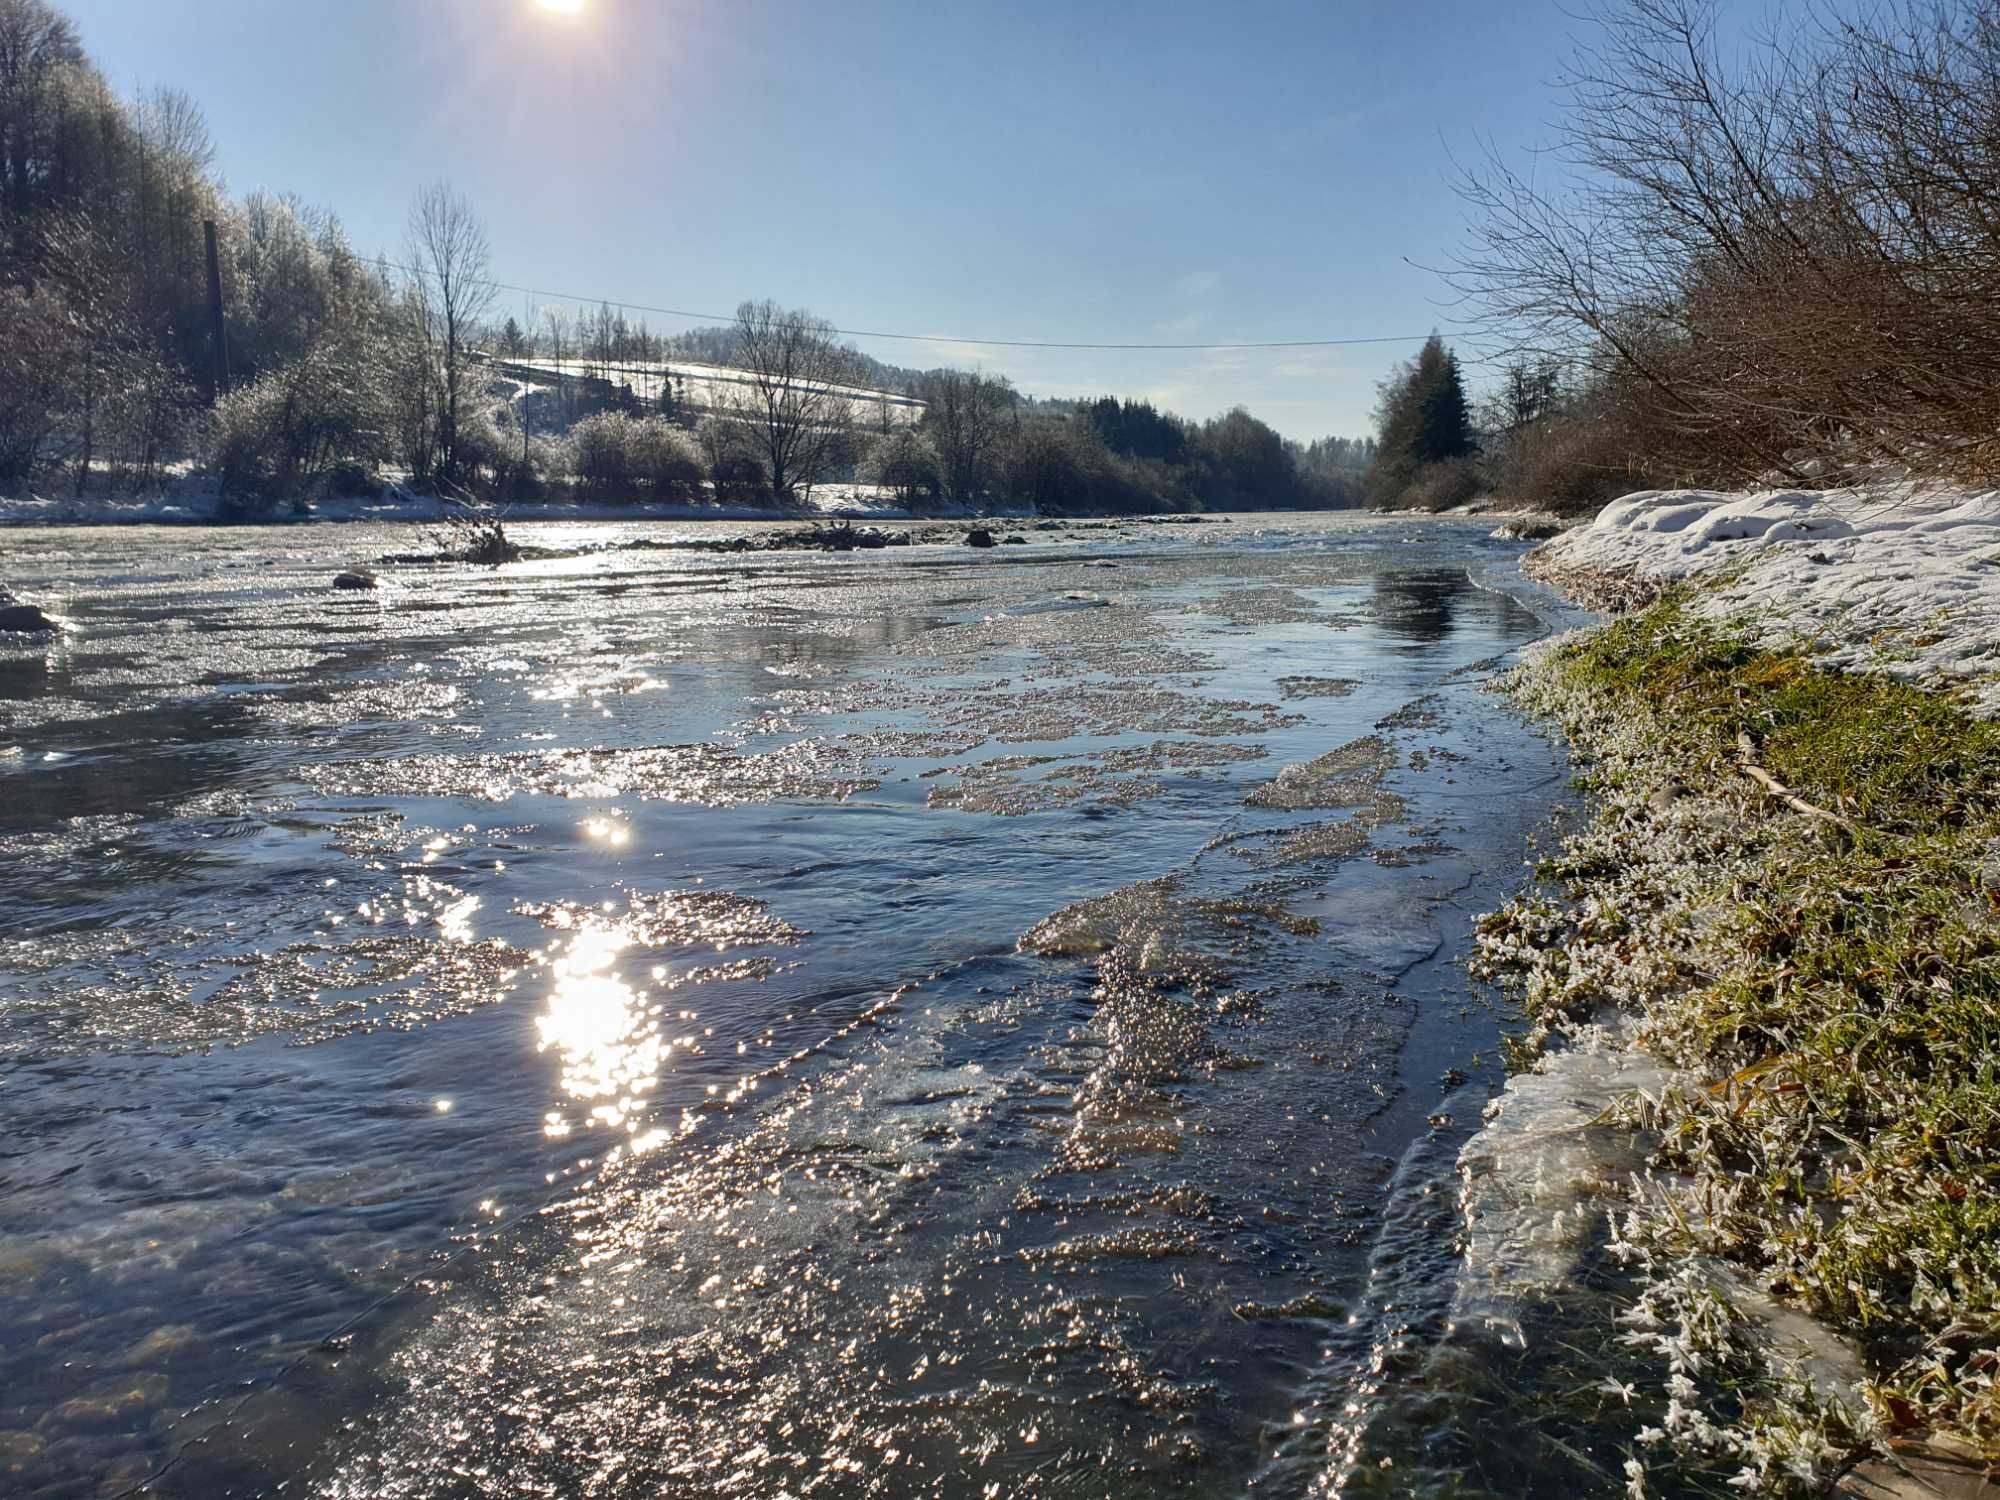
[[1788, 257]]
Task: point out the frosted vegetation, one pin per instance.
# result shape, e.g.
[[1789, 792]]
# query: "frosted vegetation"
[[1787, 896], [1764, 290]]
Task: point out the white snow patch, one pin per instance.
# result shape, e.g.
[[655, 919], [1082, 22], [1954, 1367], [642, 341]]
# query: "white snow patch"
[[1890, 577]]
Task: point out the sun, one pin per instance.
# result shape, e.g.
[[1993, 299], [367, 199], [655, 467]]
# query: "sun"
[[562, 7]]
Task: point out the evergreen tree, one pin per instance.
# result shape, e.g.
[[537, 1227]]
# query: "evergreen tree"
[[1444, 426], [1423, 418]]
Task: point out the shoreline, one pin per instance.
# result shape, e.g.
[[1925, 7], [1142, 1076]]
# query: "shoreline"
[[854, 504], [1784, 797]]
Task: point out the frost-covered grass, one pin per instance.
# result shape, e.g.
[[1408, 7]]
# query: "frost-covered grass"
[[1828, 990]]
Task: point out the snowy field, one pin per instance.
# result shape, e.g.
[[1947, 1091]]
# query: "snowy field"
[[1894, 578], [704, 387]]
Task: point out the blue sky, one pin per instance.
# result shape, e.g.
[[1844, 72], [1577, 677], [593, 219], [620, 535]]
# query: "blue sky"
[[1078, 171]]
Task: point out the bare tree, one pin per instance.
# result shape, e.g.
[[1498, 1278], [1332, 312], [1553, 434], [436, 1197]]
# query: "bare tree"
[[1770, 256], [36, 43], [965, 414], [450, 259], [796, 400], [558, 343]]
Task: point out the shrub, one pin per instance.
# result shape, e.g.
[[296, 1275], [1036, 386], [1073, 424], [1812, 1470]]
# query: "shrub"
[[1570, 465], [279, 437], [352, 477], [537, 475], [741, 477], [905, 463], [664, 459], [483, 447], [600, 452], [1443, 485]]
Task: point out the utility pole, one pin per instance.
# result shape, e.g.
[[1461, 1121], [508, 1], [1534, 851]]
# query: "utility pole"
[[528, 315], [216, 331]]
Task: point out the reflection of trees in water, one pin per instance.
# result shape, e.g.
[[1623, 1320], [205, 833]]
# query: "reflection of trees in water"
[[1418, 605]]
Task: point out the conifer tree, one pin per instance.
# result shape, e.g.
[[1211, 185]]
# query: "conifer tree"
[[1423, 418]]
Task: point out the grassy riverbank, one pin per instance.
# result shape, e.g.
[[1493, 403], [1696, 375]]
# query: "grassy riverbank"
[[1793, 879]]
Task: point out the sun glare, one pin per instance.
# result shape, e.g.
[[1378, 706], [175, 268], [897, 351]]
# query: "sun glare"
[[562, 7]]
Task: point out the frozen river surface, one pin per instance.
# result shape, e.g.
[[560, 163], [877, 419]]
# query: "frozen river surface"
[[643, 1022]]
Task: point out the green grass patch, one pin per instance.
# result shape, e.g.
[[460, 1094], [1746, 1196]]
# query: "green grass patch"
[[1882, 752], [1836, 985]]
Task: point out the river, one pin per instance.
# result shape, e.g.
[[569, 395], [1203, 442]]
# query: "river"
[[649, 1022]]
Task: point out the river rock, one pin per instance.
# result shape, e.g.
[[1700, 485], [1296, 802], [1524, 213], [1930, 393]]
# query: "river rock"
[[979, 536], [17, 1447], [161, 1344], [25, 617], [113, 1406], [1014, 541], [355, 579], [17, 614]]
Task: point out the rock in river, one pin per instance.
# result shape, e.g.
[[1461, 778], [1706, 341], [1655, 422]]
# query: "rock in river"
[[355, 579], [979, 536], [17, 614]]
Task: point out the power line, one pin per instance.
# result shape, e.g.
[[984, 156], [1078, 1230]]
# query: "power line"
[[940, 338]]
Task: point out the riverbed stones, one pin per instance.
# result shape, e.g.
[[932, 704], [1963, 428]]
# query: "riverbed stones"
[[979, 536], [357, 578], [16, 614], [162, 1343], [114, 1405]]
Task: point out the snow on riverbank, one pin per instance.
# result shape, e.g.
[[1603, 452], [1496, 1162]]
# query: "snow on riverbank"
[[1892, 578], [194, 502]]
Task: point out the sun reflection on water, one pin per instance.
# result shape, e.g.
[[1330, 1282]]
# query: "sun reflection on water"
[[608, 1035]]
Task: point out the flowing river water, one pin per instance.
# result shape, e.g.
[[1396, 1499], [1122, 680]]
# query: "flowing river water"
[[648, 1022]]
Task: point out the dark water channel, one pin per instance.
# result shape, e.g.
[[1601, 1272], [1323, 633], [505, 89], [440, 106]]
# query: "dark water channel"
[[645, 1023]]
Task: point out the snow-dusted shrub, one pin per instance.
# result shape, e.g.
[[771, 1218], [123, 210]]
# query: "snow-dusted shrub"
[[280, 437], [600, 450], [740, 476], [352, 477], [904, 462], [664, 459], [619, 457], [733, 464], [483, 447]]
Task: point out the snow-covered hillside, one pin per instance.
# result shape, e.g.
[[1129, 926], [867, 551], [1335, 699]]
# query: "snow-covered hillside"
[[702, 387]]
